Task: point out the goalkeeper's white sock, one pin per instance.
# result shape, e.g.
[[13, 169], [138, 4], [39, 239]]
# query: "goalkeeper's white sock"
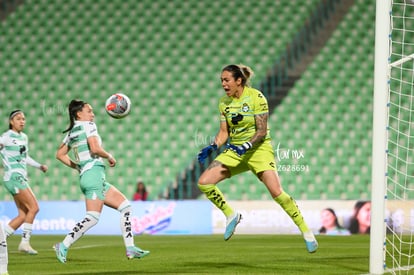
[[91, 218], [27, 232], [126, 225], [4, 257]]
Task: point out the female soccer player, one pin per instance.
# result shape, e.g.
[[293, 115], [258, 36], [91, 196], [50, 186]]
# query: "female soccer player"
[[14, 152], [83, 138], [243, 119]]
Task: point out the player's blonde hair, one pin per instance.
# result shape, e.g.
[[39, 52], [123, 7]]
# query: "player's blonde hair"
[[240, 71]]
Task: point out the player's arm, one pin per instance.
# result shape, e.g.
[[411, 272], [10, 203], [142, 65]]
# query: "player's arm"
[[30, 161], [97, 150], [261, 128], [62, 156], [219, 140], [222, 135]]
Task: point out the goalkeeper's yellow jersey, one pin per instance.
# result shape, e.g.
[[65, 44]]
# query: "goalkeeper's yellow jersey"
[[240, 114]]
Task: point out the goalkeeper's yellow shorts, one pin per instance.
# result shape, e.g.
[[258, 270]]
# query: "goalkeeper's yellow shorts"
[[258, 159]]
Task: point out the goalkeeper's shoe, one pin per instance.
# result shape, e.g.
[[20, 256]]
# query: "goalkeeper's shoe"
[[61, 252], [232, 222], [26, 248], [136, 252], [310, 241]]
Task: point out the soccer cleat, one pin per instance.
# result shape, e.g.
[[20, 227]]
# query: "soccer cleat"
[[61, 251], [310, 241], [231, 225], [136, 252], [26, 248]]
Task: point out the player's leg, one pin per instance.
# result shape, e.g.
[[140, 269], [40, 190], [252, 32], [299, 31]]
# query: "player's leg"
[[207, 183], [92, 186], [28, 207], [4, 257], [116, 200], [272, 181], [93, 213], [14, 186]]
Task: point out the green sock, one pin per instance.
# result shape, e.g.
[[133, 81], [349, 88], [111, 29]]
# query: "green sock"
[[216, 197], [289, 205]]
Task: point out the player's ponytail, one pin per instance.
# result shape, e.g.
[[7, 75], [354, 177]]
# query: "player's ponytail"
[[74, 107], [240, 71], [247, 72]]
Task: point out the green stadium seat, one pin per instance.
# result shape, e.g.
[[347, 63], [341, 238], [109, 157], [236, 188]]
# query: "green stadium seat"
[[172, 50]]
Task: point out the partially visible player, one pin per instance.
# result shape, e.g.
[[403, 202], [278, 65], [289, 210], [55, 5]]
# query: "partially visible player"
[[4, 256], [14, 152], [83, 139], [243, 119]]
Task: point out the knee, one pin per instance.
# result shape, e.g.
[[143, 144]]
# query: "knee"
[[206, 178], [36, 209], [33, 210], [201, 181]]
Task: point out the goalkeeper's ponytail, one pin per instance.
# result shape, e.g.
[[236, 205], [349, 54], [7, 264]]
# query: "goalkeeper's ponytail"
[[240, 71], [74, 107]]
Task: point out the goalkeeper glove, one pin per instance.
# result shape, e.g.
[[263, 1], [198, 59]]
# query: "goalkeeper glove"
[[205, 152], [240, 149]]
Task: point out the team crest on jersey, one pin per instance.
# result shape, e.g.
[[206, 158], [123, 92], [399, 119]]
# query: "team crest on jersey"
[[245, 107]]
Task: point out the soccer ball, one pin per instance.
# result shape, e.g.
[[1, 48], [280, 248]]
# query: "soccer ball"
[[118, 105]]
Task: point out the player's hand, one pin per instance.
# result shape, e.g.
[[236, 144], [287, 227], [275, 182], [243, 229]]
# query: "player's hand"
[[43, 168], [205, 152], [111, 161], [240, 149]]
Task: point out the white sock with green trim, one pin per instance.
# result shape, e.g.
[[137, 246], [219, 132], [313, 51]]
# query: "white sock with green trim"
[[91, 218], [8, 230], [27, 232], [126, 226]]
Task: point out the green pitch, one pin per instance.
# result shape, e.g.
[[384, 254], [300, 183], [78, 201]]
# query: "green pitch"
[[243, 254]]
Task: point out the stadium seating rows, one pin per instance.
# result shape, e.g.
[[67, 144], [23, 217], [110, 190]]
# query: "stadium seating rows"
[[328, 117], [166, 55]]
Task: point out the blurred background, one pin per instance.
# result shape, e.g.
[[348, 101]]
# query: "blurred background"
[[313, 60]]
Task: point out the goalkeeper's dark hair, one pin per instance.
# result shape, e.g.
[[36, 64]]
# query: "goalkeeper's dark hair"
[[74, 107], [240, 71]]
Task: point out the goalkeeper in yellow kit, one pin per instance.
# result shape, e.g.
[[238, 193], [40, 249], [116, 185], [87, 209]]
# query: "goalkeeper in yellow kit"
[[243, 123]]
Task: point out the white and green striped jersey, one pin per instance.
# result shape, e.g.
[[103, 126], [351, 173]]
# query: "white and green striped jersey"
[[77, 140], [14, 152]]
